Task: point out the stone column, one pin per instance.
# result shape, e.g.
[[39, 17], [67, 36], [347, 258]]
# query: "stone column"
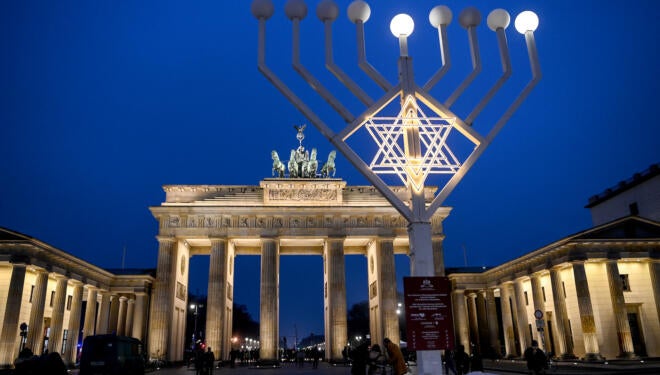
[[482, 323], [36, 325], [523, 322], [140, 316], [564, 341], [335, 298], [586, 312], [114, 314], [493, 326], [69, 356], [539, 304], [654, 277], [57, 317], [387, 288], [507, 320], [438, 255], [130, 310], [217, 296], [121, 318], [10, 334], [163, 304], [461, 318], [104, 314], [270, 299], [90, 312], [474, 325], [626, 349]]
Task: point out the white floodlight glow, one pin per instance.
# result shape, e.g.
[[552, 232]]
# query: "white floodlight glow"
[[526, 21], [402, 25]]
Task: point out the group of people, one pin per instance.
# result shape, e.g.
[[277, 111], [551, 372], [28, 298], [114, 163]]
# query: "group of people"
[[204, 362], [458, 362], [48, 363], [372, 360]]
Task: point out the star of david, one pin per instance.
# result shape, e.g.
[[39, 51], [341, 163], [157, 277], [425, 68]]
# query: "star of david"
[[388, 133]]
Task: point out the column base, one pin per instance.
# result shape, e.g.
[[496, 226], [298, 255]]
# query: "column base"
[[593, 357], [628, 355], [567, 356]]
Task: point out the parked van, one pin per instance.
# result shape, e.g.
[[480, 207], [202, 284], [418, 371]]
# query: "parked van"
[[111, 355]]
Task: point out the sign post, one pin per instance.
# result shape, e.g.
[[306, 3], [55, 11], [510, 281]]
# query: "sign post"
[[429, 324], [540, 324]]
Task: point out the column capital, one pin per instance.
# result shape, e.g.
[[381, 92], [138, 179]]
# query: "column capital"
[[335, 238], [578, 262], [217, 240], [76, 282], [164, 239], [521, 276], [57, 276], [123, 298]]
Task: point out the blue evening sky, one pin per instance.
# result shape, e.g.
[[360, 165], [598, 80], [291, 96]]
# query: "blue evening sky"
[[103, 102]]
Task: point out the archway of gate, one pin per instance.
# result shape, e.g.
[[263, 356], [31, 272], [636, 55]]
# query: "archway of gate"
[[281, 217]]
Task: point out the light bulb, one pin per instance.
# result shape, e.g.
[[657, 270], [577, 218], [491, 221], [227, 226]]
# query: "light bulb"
[[440, 15], [526, 21], [498, 18], [402, 25], [359, 11]]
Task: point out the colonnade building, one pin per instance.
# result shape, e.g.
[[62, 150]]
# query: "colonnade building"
[[597, 291], [50, 299]]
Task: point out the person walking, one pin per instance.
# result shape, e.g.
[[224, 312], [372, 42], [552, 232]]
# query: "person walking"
[[316, 354], [359, 358], [536, 359], [376, 361], [209, 359], [395, 357], [461, 360]]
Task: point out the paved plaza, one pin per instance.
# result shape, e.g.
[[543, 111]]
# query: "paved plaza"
[[492, 367]]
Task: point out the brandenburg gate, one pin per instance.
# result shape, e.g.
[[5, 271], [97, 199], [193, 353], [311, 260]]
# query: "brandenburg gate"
[[281, 216]]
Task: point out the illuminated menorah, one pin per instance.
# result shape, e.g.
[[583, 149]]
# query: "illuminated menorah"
[[411, 145]]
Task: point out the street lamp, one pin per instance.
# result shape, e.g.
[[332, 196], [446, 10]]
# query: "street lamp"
[[195, 307], [410, 144]]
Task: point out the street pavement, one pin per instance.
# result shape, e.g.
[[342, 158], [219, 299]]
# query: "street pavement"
[[491, 367]]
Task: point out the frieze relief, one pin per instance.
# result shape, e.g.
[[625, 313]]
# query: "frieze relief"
[[303, 195], [248, 221]]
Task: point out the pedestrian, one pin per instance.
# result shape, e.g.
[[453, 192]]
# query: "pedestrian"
[[376, 361], [536, 359], [395, 357], [316, 354], [476, 362], [209, 359], [199, 361], [359, 357], [450, 363], [52, 364], [461, 360], [300, 358]]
